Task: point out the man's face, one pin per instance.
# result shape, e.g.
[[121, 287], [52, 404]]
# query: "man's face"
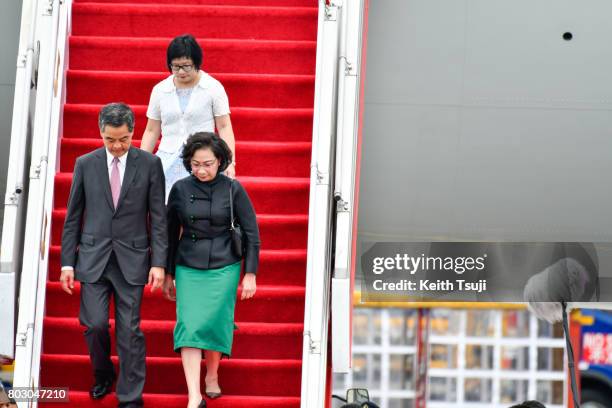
[[117, 139]]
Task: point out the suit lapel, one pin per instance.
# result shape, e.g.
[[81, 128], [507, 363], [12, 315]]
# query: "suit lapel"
[[103, 170], [131, 168]]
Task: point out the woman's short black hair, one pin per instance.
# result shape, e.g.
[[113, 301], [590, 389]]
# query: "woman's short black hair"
[[206, 140], [184, 46]]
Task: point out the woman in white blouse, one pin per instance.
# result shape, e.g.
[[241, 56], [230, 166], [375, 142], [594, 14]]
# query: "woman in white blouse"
[[186, 102]]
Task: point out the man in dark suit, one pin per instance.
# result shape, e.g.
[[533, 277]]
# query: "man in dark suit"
[[115, 241]]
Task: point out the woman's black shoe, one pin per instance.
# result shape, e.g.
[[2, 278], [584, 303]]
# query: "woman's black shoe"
[[202, 404]]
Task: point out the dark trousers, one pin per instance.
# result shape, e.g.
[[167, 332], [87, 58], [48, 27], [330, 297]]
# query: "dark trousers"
[[94, 315]]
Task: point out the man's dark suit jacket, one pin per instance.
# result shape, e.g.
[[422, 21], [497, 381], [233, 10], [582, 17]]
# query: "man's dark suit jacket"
[[136, 231]]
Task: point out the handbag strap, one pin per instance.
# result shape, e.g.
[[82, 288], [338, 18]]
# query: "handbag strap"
[[231, 206]]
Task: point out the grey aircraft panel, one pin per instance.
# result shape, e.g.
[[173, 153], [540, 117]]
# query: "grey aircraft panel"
[[482, 122]]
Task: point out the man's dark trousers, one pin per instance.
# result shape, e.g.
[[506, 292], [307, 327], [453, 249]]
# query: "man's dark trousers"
[[94, 315]]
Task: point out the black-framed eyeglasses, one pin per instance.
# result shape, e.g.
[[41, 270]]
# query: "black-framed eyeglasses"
[[186, 67]]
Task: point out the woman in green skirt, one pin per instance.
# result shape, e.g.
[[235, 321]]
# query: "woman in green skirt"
[[202, 262]]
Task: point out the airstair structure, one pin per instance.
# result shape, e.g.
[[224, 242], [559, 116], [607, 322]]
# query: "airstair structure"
[[53, 98]]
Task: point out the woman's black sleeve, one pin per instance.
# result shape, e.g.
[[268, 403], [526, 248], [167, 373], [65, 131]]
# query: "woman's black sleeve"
[[245, 213], [174, 228]]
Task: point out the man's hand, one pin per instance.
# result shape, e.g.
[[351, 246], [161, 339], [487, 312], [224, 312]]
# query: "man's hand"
[[169, 290], [156, 278], [248, 286], [67, 280]]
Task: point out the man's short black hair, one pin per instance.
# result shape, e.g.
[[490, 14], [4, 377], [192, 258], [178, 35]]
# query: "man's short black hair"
[[184, 46], [116, 114], [206, 140]]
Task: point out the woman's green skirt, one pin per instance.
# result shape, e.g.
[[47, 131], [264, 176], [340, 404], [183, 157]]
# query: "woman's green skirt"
[[205, 302]]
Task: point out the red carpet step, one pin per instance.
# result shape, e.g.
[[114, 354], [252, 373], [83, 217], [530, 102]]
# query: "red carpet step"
[[251, 340], [237, 376], [169, 20], [80, 399], [250, 124], [258, 159], [263, 52], [287, 195], [271, 304], [245, 90], [276, 267], [251, 3], [275, 231], [238, 56]]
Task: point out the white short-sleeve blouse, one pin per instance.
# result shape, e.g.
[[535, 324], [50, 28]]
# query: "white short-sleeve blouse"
[[208, 100]]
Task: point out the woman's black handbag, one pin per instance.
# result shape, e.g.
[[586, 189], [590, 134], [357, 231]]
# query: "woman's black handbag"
[[235, 230]]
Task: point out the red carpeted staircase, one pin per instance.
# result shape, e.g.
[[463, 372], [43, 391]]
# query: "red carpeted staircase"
[[263, 52]]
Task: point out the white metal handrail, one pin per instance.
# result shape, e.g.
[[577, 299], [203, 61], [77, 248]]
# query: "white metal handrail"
[[51, 33], [14, 216], [318, 265], [335, 127], [349, 86]]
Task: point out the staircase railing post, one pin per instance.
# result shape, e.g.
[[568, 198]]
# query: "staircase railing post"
[[51, 34], [318, 265], [350, 84]]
